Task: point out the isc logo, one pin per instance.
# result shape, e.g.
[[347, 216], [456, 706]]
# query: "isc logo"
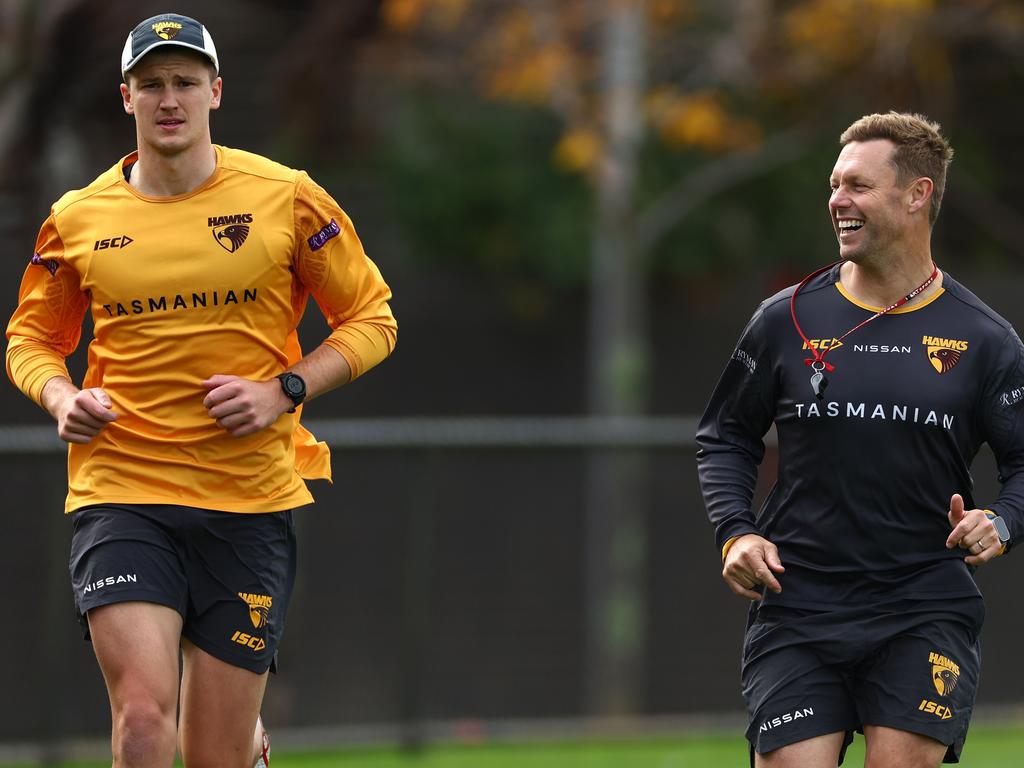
[[249, 641], [936, 709], [112, 242], [822, 344]]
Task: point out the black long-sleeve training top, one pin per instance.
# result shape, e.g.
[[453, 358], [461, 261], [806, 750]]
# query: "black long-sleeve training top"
[[859, 509]]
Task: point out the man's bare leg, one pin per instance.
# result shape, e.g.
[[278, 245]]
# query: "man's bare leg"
[[819, 752], [136, 645], [893, 748], [219, 704]]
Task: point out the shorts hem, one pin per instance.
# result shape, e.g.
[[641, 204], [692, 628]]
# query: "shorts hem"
[[771, 742], [156, 598], [847, 741], [159, 598], [257, 666], [954, 745]]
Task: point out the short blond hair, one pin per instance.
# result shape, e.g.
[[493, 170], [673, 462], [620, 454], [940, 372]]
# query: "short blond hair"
[[921, 149]]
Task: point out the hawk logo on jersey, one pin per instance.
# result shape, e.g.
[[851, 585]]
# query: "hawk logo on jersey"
[[943, 359], [168, 30], [945, 673], [259, 608], [231, 237], [230, 231], [943, 354], [50, 264]]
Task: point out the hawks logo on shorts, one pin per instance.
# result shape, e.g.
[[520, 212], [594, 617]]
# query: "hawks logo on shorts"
[[945, 673], [259, 608]]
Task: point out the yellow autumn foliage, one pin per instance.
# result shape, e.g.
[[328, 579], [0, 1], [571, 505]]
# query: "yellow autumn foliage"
[[406, 15], [403, 15], [529, 77], [577, 151], [699, 120], [837, 31]]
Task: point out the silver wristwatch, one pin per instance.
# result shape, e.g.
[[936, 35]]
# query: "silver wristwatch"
[[1000, 525]]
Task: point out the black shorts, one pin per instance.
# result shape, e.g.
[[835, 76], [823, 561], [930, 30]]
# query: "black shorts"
[[913, 666], [229, 575]]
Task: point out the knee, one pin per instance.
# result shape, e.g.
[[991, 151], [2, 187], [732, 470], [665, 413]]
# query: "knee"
[[143, 729]]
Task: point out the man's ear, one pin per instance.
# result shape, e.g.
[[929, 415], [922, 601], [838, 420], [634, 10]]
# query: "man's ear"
[[126, 98], [217, 87], [920, 193]]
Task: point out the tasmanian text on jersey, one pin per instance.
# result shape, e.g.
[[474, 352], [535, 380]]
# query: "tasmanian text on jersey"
[[907, 413], [197, 300]]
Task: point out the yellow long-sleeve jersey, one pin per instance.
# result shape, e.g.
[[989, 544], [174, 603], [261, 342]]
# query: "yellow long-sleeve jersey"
[[182, 288]]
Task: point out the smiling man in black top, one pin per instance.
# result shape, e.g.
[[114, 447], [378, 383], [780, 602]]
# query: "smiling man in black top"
[[883, 377]]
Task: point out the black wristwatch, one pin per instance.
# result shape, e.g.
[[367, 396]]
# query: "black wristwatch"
[[294, 388]]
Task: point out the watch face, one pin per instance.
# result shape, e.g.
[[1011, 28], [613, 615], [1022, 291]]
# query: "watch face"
[[1001, 530], [294, 387]]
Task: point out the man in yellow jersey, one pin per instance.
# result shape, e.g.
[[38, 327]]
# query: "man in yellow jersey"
[[186, 455]]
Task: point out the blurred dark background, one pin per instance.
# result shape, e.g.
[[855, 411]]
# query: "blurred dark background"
[[577, 205]]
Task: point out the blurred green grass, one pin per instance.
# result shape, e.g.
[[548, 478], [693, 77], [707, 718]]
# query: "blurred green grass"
[[987, 747]]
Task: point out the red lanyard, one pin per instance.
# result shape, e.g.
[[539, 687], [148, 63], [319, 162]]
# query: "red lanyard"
[[818, 362]]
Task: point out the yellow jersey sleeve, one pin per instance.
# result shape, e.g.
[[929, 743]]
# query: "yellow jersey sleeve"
[[347, 286], [47, 325]]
